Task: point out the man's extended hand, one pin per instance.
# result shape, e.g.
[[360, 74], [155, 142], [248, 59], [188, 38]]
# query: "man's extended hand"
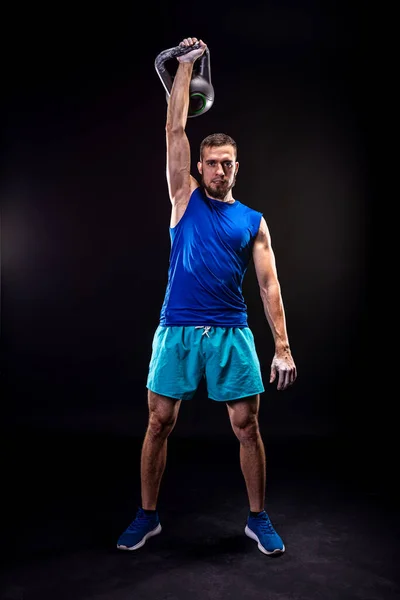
[[283, 366], [190, 57]]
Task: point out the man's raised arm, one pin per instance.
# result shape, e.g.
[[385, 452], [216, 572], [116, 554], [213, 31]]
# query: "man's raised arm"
[[180, 182]]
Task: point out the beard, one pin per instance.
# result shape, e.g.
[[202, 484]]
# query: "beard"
[[219, 191]]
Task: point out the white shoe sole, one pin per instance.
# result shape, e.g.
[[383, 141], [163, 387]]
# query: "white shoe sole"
[[253, 536], [142, 542]]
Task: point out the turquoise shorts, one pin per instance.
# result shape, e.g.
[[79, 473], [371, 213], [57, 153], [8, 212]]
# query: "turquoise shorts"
[[225, 356]]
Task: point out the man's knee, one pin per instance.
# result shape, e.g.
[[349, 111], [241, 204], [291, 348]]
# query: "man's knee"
[[163, 413], [160, 425], [248, 431], [244, 419]]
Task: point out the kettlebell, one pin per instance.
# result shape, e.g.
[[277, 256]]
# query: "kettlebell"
[[201, 91]]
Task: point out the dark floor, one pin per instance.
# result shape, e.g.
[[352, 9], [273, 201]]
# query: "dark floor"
[[68, 496]]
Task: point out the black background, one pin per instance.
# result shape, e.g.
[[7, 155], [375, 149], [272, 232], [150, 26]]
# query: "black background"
[[85, 209]]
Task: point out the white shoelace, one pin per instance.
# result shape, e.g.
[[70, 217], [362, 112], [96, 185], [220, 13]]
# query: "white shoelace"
[[206, 329]]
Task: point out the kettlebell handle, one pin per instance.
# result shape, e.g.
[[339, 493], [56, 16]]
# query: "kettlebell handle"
[[201, 90], [166, 79]]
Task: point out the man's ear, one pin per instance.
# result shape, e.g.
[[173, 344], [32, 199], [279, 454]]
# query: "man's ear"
[[237, 168], [199, 166]]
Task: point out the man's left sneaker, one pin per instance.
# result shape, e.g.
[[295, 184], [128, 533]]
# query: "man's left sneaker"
[[260, 529]]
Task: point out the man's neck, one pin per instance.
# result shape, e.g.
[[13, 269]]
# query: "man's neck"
[[227, 200]]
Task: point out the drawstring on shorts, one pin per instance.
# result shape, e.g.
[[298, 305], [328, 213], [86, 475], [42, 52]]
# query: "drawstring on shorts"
[[206, 329]]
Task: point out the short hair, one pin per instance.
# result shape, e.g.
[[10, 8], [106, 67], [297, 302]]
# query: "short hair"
[[217, 139]]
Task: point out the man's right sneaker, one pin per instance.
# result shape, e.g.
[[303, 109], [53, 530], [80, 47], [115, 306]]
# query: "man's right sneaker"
[[143, 527]]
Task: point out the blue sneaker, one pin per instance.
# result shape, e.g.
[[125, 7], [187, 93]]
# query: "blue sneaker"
[[143, 527], [260, 529]]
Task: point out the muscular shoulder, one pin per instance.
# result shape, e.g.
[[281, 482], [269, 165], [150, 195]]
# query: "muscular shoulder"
[[263, 235]]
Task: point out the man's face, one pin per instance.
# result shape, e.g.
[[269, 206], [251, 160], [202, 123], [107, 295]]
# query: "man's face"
[[218, 170]]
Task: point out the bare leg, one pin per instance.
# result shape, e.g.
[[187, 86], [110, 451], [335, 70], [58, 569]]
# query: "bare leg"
[[163, 413], [243, 415]]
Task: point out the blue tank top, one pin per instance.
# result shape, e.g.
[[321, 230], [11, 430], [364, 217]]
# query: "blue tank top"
[[211, 247]]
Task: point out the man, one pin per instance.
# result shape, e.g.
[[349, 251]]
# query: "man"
[[203, 330]]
